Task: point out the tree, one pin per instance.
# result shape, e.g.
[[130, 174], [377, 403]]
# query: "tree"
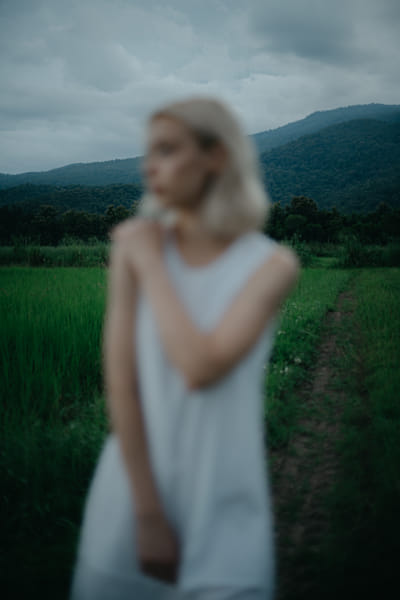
[[295, 224], [301, 205], [45, 224], [275, 224], [115, 214]]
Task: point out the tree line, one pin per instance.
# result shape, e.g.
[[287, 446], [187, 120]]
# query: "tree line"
[[300, 219]]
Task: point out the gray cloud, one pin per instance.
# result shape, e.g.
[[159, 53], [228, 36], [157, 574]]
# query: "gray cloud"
[[308, 29], [78, 79]]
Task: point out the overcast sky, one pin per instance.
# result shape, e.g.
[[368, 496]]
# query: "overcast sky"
[[79, 77]]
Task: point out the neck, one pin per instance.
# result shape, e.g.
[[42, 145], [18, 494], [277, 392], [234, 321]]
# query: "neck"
[[188, 225]]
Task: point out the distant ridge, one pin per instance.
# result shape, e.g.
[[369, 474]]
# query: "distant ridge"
[[352, 165], [124, 170], [266, 140], [127, 170]]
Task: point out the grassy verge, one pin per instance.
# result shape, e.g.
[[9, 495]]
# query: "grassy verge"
[[359, 556], [50, 340], [296, 347], [52, 418], [71, 255]]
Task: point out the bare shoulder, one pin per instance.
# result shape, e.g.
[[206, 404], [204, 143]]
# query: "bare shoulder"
[[288, 258], [284, 259], [277, 275]]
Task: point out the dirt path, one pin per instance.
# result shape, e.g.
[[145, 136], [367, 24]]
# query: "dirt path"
[[305, 472]]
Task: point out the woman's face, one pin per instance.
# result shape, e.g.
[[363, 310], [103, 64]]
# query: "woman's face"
[[175, 167]]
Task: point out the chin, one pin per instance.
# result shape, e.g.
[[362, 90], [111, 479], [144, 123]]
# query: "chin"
[[165, 201]]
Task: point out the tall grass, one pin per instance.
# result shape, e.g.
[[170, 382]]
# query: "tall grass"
[[52, 414], [53, 419], [69, 255], [296, 346], [50, 340], [360, 553], [353, 253]]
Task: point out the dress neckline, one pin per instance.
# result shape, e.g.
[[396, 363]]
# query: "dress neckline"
[[197, 269]]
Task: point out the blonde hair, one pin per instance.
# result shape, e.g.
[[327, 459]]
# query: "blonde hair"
[[236, 201]]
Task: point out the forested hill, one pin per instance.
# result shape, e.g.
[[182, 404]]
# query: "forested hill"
[[266, 140], [353, 165], [124, 170], [127, 170]]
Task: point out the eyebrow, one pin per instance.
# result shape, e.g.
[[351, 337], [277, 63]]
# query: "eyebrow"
[[158, 142]]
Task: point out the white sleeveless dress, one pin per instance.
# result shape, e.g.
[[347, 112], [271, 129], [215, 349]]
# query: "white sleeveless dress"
[[207, 451]]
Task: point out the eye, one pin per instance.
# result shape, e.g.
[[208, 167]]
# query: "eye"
[[162, 148], [165, 148]]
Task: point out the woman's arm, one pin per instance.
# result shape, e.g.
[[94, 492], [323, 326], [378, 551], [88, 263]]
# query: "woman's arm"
[[121, 382], [205, 356]]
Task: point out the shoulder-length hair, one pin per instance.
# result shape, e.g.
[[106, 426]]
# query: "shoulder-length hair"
[[236, 200]]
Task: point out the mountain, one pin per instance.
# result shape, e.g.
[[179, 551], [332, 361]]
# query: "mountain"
[[353, 165], [127, 170], [124, 170], [266, 140]]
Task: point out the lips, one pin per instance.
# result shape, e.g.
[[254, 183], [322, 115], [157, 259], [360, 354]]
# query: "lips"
[[157, 189]]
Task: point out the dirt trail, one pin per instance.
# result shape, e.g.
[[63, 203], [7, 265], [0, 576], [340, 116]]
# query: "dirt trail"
[[306, 470]]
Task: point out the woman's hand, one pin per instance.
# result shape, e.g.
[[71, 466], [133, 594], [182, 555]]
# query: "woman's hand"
[[143, 240], [158, 547]]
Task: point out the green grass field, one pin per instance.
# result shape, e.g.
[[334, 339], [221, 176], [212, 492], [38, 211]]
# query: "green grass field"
[[359, 556], [53, 418]]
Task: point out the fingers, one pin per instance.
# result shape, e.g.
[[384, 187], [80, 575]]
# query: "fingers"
[[165, 571], [119, 230], [127, 226]]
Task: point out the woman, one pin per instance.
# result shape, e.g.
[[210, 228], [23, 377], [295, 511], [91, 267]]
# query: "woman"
[[179, 504]]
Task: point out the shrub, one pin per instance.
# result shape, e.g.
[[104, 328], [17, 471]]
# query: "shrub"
[[356, 254], [302, 250]]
